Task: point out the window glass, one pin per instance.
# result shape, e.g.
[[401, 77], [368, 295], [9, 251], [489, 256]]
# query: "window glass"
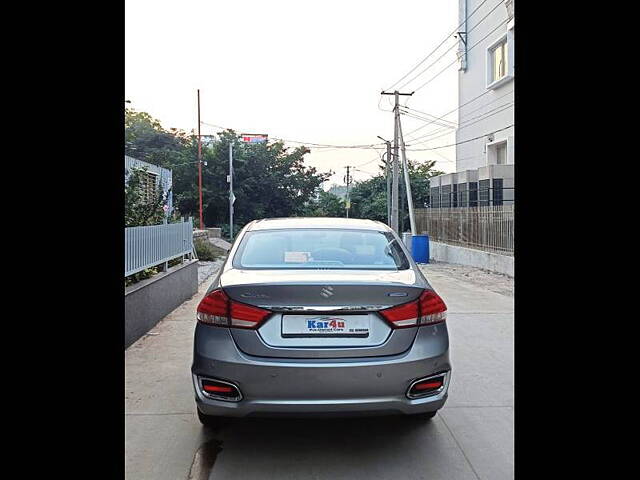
[[497, 191], [499, 54], [320, 248]]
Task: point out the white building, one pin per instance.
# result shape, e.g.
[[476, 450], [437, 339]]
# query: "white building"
[[485, 136]]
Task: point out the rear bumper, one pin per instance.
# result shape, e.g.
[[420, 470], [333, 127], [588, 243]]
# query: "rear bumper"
[[349, 386]]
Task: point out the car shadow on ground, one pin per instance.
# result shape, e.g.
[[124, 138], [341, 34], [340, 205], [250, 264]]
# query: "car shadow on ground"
[[319, 448]]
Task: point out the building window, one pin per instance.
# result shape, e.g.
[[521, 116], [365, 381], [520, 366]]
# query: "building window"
[[445, 196], [473, 194], [500, 60], [497, 191], [497, 153], [435, 197], [463, 195], [483, 190]]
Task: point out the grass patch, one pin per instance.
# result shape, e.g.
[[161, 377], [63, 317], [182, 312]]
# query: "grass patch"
[[206, 251]]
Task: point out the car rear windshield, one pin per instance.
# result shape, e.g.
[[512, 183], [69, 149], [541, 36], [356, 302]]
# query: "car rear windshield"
[[320, 248]]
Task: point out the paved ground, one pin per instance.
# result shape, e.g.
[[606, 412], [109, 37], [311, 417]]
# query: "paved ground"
[[207, 269], [471, 438], [494, 282]]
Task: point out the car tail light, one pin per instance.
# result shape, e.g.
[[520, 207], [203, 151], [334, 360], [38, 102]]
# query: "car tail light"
[[427, 386], [220, 390], [218, 309], [427, 310]]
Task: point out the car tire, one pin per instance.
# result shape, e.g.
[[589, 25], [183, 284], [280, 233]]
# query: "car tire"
[[208, 420], [427, 415]]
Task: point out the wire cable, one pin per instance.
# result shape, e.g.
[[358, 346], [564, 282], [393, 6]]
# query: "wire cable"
[[468, 122], [452, 46], [438, 130], [468, 50], [418, 112], [320, 145], [460, 143], [463, 105], [439, 45]]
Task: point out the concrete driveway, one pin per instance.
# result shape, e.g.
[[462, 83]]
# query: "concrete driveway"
[[470, 438]]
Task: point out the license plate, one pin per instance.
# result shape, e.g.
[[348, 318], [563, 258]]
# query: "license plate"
[[325, 326]]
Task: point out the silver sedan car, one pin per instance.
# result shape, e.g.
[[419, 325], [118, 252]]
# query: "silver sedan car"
[[319, 316]]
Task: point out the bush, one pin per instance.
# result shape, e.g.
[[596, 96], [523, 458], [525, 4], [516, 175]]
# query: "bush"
[[205, 250], [143, 275], [174, 262], [224, 229], [150, 272]]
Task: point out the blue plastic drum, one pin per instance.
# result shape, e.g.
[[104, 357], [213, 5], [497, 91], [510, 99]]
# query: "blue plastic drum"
[[420, 248]]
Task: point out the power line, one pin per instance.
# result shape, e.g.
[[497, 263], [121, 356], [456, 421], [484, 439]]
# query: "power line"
[[488, 103], [468, 50], [463, 105], [479, 118], [460, 143], [468, 122], [429, 115], [436, 49], [466, 119], [369, 161], [425, 119], [454, 45], [320, 145], [368, 173]]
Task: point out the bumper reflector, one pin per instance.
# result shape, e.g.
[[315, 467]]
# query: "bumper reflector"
[[220, 390], [427, 386], [216, 388]]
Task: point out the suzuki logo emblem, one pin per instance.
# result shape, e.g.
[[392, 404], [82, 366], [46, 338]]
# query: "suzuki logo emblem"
[[326, 292]]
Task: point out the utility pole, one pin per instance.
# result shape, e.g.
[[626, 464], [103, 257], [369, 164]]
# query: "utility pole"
[[232, 197], [388, 177], [347, 180], [394, 185], [200, 164], [407, 182]]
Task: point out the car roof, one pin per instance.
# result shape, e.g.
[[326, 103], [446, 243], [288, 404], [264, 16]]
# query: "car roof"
[[317, 222]]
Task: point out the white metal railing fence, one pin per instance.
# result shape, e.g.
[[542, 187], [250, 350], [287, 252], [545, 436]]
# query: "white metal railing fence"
[[152, 245], [487, 228]]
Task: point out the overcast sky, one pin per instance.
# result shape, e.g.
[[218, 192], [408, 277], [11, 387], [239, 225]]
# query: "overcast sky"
[[300, 70]]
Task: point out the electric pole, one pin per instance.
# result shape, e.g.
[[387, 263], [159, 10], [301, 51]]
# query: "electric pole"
[[200, 164], [388, 177], [347, 180], [407, 181], [232, 197], [394, 184]]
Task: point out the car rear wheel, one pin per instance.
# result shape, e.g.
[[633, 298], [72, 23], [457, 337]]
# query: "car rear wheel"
[[426, 416], [208, 420]]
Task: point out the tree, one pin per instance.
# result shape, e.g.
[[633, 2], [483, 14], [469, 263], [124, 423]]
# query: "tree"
[[145, 139], [138, 208], [270, 180], [369, 198], [325, 205]]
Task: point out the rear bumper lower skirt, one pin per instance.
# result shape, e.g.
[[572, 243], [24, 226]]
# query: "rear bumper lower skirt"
[[374, 385]]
